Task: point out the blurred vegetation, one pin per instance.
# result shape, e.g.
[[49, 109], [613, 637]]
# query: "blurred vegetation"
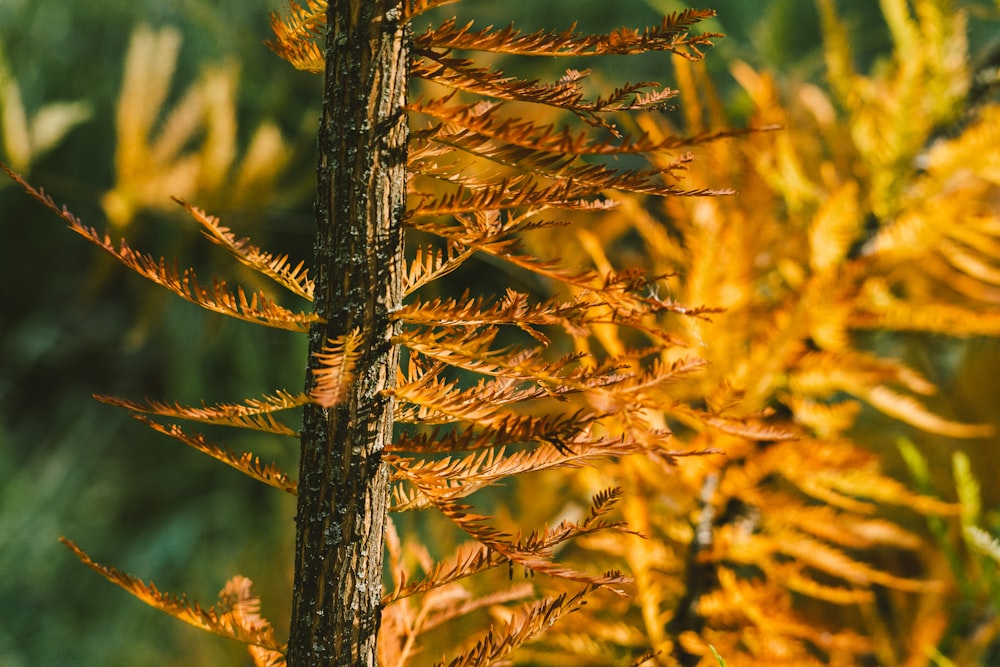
[[71, 324]]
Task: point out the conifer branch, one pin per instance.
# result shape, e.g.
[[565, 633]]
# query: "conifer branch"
[[558, 429], [429, 264], [278, 268], [252, 414], [485, 118], [625, 298], [565, 168], [296, 32], [247, 463], [256, 308], [235, 617], [473, 350], [537, 618], [470, 559], [510, 193], [455, 478], [751, 429], [475, 557], [433, 400], [671, 35], [566, 93], [534, 552]]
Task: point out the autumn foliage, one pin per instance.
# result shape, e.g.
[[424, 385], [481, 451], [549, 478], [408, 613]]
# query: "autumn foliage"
[[672, 386]]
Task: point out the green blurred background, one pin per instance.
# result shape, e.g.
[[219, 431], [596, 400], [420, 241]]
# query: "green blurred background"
[[73, 323]]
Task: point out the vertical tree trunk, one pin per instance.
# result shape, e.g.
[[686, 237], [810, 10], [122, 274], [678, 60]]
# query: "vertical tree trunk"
[[343, 484]]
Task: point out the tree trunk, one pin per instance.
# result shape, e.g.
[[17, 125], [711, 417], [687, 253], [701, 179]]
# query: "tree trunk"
[[361, 200]]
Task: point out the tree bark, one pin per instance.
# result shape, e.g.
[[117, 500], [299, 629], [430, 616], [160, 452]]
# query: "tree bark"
[[361, 200]]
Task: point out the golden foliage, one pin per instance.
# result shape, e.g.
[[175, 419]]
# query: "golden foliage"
[[334, 376], [278, 268], [300, 27], [253, 414], [23, 138], [257, 308], [752, 350], [237, 615], [515, 419], [247, 463], [844, 224], [150, 168]]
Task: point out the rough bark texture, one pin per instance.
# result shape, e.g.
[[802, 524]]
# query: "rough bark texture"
[[343, 484]]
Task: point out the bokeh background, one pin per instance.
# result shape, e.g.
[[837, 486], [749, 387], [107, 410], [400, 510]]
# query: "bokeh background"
[[73, 323]]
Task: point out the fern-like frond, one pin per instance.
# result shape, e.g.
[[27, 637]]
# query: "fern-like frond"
[[529, 554], [762, 610], [671, 35], [252, 414], [460, 477], [824, 558], [749, 428], [332, 378], [497, 644], [235, 617], [237, 601], [829, 524], [296, 33], [189, 150], [473, 350], [451, 603], [565, 168], [821, 373], [907, 409], [625, 298], [27, 136], [429, 264], [509, 193], [469, 559], [843, 476], [431, 400], [558, 429], [578, 314], [256, 308], [513, 309], [474, 557], [868, 377], [485, 118], [277, 268], [566, 93], [879, 308], [247, 463]]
